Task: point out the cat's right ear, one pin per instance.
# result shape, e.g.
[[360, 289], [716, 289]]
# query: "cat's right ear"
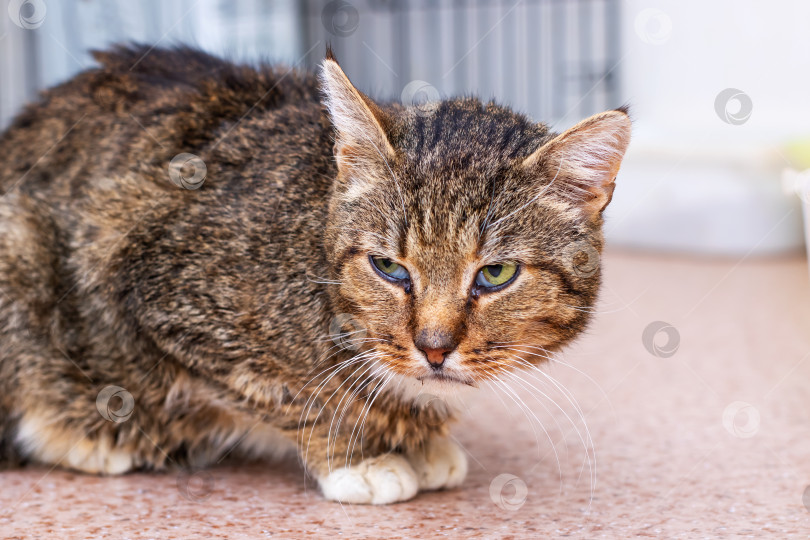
[[584, 160], [361, 144]]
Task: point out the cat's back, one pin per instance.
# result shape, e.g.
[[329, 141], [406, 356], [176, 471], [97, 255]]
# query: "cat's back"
[[92, 208], [140, 108]]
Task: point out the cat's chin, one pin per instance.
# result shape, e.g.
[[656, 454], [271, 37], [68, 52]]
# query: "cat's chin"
[[448, 388]]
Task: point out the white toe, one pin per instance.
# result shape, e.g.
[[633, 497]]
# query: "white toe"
[[381, 480]]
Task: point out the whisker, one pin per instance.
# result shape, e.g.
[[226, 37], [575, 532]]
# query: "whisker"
[[376, 391], [307, 408], [322, 280], [345, 407], [520, 381], [533, 371], [314, 378], [588, 446], [526, 411], [361, 359], [340, 348], [555, 359]]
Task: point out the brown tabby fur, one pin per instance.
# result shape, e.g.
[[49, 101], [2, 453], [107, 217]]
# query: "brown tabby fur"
[[212, 307]]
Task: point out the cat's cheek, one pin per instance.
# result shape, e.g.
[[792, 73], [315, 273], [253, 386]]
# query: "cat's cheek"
[[382, 309], [532, 313], [495, 317], [540, 332]]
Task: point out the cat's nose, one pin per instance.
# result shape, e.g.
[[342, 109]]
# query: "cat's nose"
[[435, 357], [435, 345]]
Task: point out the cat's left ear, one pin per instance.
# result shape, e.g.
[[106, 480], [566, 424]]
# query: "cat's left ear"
[[584, 160], [361, 142]]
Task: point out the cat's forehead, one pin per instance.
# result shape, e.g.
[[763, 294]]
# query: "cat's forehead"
[[457, 160], [466, 133]]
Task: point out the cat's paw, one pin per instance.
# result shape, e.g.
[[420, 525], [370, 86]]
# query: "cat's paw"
[[440, 464], [41, 440], [380, 480]]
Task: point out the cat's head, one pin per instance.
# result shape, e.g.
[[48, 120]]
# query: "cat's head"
[[465, 239]]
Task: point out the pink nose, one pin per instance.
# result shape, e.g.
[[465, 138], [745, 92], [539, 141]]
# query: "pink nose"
[[436, 356]]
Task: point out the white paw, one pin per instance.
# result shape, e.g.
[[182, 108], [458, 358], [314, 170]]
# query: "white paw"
[[380, 480], [441, 464]]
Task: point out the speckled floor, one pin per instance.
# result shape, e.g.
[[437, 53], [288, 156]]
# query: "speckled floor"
[[711, 441]]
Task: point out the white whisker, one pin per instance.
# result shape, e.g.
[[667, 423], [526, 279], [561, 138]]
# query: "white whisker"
[[376, 391], [587, 441], [511, 394], [343, 411]]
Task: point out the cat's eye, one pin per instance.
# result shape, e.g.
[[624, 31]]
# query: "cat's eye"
[[389, 269], [496, 275]]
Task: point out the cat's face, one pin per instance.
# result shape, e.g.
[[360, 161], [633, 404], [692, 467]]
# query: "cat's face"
[[465, 239]]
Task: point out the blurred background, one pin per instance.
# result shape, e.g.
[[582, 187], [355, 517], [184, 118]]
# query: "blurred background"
[[718, 90]]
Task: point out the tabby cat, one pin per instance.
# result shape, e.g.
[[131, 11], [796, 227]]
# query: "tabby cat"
[[200, 259]]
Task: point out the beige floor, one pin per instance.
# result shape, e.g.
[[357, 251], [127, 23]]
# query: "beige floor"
[[712, 441]]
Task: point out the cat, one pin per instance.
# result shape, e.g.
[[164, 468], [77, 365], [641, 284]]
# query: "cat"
[[201, 259]]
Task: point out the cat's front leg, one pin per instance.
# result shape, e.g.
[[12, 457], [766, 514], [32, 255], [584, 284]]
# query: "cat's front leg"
[[393, 476], [439, 464]]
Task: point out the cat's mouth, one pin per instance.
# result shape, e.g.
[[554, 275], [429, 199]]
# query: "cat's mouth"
[[446, 378]]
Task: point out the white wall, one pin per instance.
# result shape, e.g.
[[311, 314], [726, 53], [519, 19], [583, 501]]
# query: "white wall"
[[691, 181], [762, 48]]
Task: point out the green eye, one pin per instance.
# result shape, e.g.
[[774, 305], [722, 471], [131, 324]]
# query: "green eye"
[[391, 269], [494, 275]]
